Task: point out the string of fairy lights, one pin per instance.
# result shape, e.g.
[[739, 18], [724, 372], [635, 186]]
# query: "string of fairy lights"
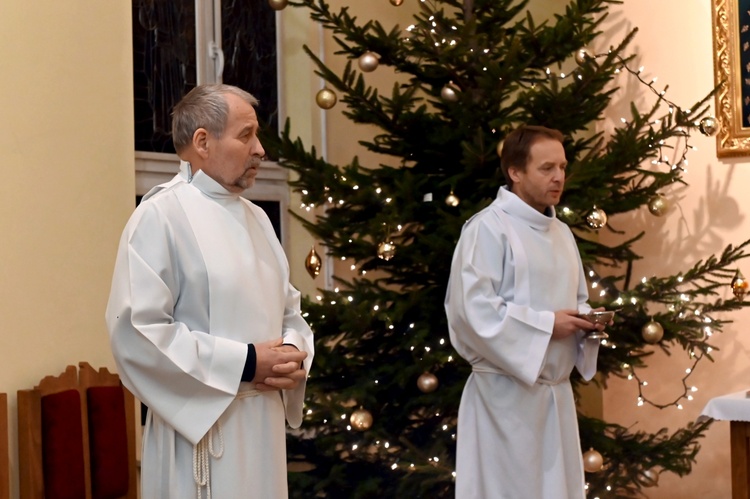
[[652, 333], [441, 33]]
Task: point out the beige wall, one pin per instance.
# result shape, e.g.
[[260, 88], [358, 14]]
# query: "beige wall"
[[675, 45], [67, 183]]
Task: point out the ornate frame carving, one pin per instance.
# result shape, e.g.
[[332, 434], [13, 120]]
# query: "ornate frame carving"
[[732, 138]]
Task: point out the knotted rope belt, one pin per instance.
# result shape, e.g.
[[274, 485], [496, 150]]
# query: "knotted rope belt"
[[204, 450]]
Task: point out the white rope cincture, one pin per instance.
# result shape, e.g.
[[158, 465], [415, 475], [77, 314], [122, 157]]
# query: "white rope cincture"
[[202, 452]]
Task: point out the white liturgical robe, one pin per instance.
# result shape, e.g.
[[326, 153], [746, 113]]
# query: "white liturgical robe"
[[513, 267], [199, 275]]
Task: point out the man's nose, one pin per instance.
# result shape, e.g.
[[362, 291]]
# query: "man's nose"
[[258, 149]]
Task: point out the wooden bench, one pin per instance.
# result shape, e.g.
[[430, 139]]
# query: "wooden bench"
[[76, 437]]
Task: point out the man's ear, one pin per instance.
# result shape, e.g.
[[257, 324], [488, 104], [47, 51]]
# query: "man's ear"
[[513, 173], [200, 142]]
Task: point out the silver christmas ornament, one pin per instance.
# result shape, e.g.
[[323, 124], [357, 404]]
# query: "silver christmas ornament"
[[582, 56], [449, 93], [658, 205], [597, 218], [386, 250], [708, 126], [592, 461], [427, 382], [649, 478], [368, 62], [361, 419]]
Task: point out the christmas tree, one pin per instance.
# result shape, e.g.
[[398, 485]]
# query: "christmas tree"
[[384, 392]]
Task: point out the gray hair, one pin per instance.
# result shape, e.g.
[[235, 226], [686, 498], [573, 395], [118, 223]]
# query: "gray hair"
[[204, 107]]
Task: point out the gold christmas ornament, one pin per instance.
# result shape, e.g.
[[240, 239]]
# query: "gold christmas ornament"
[[582, 57], [386, 250], [361, 420], [652, 332], [427, 382], [658, 205], [739, 285], [449, 93], [368, 62], [326, 98], [708, 126], [313, 263], [596, 219], [649, 478], [452, 200], [592, 461], [396, 3], [278, 4]]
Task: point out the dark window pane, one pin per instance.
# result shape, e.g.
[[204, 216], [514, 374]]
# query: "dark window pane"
[[249, 44], [164, 67], [273, 210]]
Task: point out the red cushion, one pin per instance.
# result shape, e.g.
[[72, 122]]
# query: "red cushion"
[[108, 442], [62, 446]]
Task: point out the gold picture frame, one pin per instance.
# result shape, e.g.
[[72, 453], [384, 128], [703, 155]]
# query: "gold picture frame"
[[732, 73]]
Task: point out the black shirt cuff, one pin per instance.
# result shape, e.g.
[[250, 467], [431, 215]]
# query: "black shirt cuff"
[[248, 372]]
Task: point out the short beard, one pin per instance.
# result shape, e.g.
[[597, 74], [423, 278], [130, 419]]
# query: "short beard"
[[245, 182]]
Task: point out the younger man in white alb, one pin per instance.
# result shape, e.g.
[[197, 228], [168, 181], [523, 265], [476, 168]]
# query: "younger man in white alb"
[[516, 289]]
